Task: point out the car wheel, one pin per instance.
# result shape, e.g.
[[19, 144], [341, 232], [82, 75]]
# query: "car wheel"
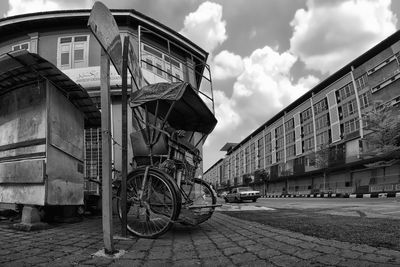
[[254, 199], [226, 200]]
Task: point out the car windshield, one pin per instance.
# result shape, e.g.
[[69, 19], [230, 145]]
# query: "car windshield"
[[242, 189]]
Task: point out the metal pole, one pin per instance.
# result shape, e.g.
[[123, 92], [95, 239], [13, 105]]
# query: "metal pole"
[[124, 123], [106, 153]]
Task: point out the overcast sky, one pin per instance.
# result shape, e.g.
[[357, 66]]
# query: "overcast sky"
[[264, 54]]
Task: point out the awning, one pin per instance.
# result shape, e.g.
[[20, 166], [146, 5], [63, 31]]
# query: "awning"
[[21, 67], [189, 113]]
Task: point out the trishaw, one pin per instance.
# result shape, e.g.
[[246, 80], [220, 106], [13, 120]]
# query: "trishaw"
[[171, 122]]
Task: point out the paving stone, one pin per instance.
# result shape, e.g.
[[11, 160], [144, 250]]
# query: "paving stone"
[[327, 249], [98, 261], [184, 255], [363, 248], [216, 261], [356, 263], [267, 253], [233, 250], [125, 263], [255, 247], [159, 255], [284, 260], [134, 255], [228, 244], [375, 258], [306, 254], [243, 258], [209, 253], [328, 259], [186, 263], [350, 254]]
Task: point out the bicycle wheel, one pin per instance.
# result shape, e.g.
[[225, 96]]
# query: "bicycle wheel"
[[153, 203], [200, 195]]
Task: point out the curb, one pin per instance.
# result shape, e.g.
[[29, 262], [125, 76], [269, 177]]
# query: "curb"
[[334, 195]]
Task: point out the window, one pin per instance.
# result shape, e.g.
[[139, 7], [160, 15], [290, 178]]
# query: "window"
[[72, 52], [361, 81], [268, 160], [279, 143], [323, 138], [320, 106], [289, 125], [21, 46], [279, 155], [349, 108], [345, 92], [161, 64], [290, 151], [268, 148], [351, 126], [322, 122], [309, 144], [268, 137], [308, 129], [306, 114], [290, 137], [279, 131], [365, 100]]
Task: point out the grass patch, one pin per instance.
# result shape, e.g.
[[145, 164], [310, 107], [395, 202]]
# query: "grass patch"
[[375, 232]]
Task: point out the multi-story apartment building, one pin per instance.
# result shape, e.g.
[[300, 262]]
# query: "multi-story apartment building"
[[64, 39], [327, 118]]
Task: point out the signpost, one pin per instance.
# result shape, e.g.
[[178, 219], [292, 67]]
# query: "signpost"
[[104, 28]]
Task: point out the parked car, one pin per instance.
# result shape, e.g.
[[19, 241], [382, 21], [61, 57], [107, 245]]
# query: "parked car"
[[240, 194]]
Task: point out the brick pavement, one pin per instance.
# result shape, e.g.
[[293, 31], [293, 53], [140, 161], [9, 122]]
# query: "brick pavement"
[[221, 241]]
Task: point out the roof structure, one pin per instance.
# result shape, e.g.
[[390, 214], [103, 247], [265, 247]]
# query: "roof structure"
[[21, 67]]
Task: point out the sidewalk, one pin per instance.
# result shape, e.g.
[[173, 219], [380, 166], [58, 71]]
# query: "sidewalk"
[[221, 241]]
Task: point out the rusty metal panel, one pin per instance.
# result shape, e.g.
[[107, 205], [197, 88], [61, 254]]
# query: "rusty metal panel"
[[26, 172], [64, 178], [22, 121], [32, 194], [66, 124]]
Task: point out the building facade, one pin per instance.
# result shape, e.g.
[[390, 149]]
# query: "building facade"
[[327, 119], [64, 39]]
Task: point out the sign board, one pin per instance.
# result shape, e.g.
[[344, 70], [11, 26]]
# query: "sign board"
[[134, 68], [89, 77], [105, 29]]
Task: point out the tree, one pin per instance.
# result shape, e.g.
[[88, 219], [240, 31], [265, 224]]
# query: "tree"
[[384, 124], [247, 179], [320, 159], [261, 175]]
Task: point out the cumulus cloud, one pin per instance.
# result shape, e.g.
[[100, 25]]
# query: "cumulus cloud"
[[205, 26], [329, 34], [226, 65], [263, 88], [30, 6]]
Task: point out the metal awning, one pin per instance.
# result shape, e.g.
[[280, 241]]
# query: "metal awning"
[[21, 67]]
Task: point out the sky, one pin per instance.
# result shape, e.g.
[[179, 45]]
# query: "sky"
[[263, 54]]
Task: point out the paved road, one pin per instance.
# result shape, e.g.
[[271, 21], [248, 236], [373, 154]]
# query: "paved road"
[[369, 207]]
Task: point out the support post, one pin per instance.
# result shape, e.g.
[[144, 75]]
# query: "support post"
[[106, 153], [124, 130]]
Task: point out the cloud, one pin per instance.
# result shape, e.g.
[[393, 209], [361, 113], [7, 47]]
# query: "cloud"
[[263, 88], [226, 65], [205, 26], [329, 34], [30, 6]]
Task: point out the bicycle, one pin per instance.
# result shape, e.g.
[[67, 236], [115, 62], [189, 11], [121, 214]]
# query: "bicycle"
[[171, 120]]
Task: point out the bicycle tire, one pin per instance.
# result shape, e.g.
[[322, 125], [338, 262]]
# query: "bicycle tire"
[[154, 214], [203, 195]]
